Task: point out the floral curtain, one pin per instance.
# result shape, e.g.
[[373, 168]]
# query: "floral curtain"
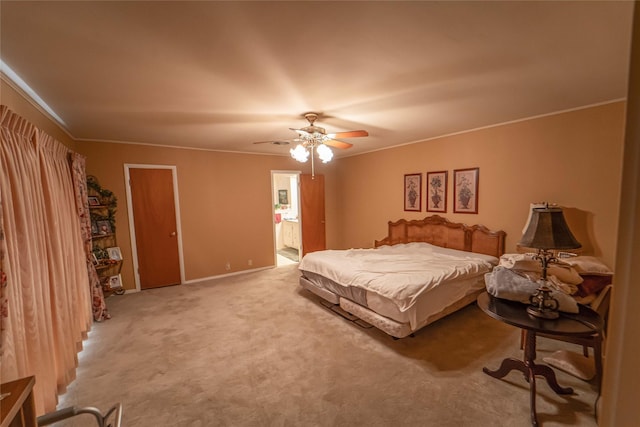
[[99, 305], [46, 309]]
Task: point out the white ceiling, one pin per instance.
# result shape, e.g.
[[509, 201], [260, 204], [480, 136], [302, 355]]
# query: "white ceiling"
[[222, 75]]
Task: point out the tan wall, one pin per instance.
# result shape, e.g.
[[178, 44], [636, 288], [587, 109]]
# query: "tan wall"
[[573, 159], [13, 99], [225, 203]]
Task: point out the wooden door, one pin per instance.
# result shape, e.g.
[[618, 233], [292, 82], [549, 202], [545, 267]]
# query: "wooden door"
[[312, 213], [154, 217]]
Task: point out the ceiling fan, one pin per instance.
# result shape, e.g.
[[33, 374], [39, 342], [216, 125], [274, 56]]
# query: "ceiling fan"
[[313, 135]]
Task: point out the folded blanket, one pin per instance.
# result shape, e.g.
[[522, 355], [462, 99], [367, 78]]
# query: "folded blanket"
[[562, 275], [505, 283]]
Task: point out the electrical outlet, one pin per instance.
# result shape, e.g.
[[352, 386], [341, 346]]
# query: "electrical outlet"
[[227, 266]]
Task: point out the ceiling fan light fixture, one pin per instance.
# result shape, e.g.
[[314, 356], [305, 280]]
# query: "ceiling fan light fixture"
[[300, 153], [316, 138], [324, 153]]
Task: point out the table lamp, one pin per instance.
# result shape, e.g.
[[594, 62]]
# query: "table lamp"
[[547, 231]]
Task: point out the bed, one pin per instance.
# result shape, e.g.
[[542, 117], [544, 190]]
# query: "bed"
[[422, 271]]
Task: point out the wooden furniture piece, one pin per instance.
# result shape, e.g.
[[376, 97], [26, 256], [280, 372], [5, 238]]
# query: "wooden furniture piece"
[[291, 233], [17, 407], [601, 306], [441, 232], [583, 324], [374, 308], [102, 206]]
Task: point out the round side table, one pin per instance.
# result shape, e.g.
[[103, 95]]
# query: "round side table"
[[585, 323]]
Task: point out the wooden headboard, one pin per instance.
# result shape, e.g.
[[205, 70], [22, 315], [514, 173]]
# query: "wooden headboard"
[[441, 232]]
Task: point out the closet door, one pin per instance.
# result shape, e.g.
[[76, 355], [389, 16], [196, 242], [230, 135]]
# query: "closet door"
[[156, 234]]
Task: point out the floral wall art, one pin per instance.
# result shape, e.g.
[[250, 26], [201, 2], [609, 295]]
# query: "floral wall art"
[[465, 189], [413, 192], [437, 191]]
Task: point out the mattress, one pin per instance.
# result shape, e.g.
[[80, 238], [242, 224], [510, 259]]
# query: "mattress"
[[450, 285], [427, 306]]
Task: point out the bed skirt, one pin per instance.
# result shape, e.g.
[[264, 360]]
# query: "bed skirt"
[[389, 326]]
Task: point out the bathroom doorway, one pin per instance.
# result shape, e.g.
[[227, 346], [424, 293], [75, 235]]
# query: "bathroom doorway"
[[285, 187]]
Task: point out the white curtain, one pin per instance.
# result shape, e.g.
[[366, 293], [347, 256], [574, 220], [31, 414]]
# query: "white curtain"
[[45, 300]]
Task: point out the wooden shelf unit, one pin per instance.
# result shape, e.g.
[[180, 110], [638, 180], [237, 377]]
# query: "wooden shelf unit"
[[103, 234], [17, 409]]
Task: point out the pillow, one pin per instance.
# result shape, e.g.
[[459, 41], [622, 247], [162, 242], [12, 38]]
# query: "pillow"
[[524, 262], [572, 363], [589, 265], [588, 300], [521, 262], [592, 284], [564, 273]]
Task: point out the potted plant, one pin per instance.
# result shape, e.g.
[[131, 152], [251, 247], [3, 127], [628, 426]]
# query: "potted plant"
[[436, 189], [465, 193]]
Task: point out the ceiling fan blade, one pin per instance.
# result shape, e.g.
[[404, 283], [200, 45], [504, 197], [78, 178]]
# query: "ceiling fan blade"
[[300, 132], [349, 134], [337, 144], [277, 142]]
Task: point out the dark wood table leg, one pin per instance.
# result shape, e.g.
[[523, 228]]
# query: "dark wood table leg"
[[507, 366], [543, 370], [532, 397], [529, 369], [529, 361], [597, 355], [550, 376]]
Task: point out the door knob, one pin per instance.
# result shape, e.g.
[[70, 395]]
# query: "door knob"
[[173, 234]]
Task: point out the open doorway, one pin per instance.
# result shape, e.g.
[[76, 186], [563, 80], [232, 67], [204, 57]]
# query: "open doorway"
[[286, 213]]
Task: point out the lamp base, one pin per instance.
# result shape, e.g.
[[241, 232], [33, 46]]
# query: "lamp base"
[[543, 313], [543, 305]]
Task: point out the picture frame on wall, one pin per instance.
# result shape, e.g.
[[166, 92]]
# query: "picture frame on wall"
[[283, 197], [465, 190], [413, 192], [94, 201], [436, 198]]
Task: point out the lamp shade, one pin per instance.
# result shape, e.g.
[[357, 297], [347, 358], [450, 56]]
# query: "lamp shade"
[[548, 230]]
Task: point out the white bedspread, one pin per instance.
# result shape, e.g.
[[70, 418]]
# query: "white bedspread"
[[400, 272]]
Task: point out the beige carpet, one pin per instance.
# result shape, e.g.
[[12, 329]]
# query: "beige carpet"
[[256, 350]]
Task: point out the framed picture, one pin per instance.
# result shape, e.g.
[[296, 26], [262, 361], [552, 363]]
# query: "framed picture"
[[283, 197], [114, 253], [437, 191], [413, 192], [94, 228], [104, 227], [465, 196], [94, 201], [115, 282]]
